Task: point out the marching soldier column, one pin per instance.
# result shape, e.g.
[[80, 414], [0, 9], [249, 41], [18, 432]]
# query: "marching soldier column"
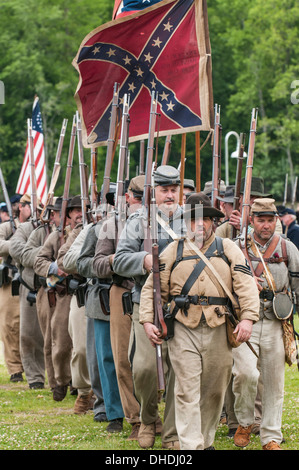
[[141, 266]]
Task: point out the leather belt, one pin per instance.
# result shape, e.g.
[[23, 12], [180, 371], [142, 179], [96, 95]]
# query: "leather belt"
[[207, 300], [266, 295]]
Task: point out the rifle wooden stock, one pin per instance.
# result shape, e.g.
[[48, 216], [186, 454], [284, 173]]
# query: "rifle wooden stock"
[[237, 191], [45, 214], [247, 189], [93, 183], [32, 174], [111, 143], [68, 173], [158, 315], [83, 174], [216, 159], [7, 202], [166, 151], [150, 239]]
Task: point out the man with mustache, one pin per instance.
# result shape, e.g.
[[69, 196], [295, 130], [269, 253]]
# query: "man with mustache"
[[199, 351], [132, 260], [45, 265], [275, 261]]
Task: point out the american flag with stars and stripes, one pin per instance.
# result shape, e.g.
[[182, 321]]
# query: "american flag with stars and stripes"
[[164, 48], [23, 185]]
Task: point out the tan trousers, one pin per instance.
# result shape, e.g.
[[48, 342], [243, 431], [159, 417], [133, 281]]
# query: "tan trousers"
[[144, 367], [31, 340], [77, 332], [266, 338], [44, 313], [120, 328], [202, 361], [10, 329], [58, 343]]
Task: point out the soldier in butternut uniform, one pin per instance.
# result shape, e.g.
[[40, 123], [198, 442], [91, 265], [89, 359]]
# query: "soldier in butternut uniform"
[[31, 340], [10, 305], [278, 276], [199, 350], [33, 246], [120, 324], [45, 265], [77, 330]]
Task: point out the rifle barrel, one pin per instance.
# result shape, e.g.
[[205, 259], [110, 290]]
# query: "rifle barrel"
[[66, 190], [111, 142], [247, 188], [216, 158], [7, 202]]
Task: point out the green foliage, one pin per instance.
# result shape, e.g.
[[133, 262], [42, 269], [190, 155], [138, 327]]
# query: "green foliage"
[[254, 51]]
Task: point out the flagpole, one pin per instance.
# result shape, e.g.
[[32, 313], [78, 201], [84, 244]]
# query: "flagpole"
[[182, 169], [197, 160]]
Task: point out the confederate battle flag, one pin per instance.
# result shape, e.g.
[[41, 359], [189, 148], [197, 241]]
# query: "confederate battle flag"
[[164, 48]]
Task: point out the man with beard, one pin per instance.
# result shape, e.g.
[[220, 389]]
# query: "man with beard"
[[132, 260], [199, 350], [33, 246], [31, 339], [45, 265]]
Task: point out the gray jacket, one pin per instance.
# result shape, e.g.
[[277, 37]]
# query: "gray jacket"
[[130, 253], [284, 276], [85, 268]]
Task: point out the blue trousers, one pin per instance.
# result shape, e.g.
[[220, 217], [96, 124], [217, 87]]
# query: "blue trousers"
[[107, 372]]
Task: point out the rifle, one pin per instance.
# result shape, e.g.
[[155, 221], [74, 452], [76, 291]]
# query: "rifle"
[[112, 141], [32, 174], [93, 183], [216, 159], [7, 202], [150, 239], [166, 151], [122, 159], [65, 198], [83, 174], [247, 189], [236, 203], [45, 214], [285, 189]]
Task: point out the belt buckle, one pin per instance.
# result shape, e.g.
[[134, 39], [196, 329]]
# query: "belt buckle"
[[204, 300]]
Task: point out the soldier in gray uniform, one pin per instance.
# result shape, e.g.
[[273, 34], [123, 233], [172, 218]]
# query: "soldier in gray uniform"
[[31, 339], [275, 261], [131, 260], [31, 249], [10, 305]]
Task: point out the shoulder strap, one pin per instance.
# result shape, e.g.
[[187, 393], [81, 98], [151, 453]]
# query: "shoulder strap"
[[284, 251], [198, 268], [259, 269], [214, 273]]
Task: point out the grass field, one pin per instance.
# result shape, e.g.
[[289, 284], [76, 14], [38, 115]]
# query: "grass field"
[[31, 420]]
